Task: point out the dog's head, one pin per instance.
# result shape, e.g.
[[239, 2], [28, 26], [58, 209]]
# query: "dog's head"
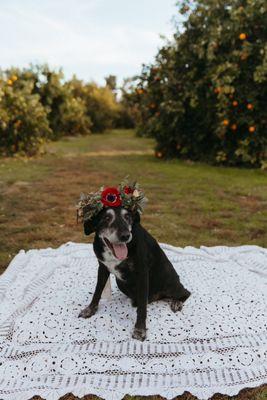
[[114, 226]]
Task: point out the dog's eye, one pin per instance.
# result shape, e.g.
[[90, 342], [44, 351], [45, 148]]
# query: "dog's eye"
[[127, 217], [107, 218]]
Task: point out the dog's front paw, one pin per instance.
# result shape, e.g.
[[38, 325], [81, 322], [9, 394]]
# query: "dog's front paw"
[[139, 334], [176, 305], [87, 312]]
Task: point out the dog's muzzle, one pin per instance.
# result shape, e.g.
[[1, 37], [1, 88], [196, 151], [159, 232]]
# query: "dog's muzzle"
[[119, 250]]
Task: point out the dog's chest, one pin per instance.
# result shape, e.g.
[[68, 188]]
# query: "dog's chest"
[[111, 263], [115, 266]]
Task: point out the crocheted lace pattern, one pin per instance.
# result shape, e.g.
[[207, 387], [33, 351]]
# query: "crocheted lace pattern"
[[216, 344]]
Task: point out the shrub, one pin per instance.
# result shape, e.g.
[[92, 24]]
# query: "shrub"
[[53, 94], [205, 96], [73, 117], [66, 112], [100, 103], [124, 118], [128, 115], [101, 106], [36, 103], [23, 119]]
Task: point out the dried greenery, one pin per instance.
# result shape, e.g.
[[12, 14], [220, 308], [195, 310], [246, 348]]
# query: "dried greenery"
[[129, 195]]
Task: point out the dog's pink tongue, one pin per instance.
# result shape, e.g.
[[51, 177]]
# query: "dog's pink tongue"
[[120, 250]]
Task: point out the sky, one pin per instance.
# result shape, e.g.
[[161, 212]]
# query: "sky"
[[89, 38]]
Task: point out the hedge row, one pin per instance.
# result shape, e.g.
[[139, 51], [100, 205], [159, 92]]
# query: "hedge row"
[[37, 104], [204, 98]]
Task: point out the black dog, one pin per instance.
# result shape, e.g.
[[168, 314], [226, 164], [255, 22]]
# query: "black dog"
[[142, 270]]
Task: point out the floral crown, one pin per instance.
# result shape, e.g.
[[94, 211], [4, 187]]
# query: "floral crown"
[[127, 195]]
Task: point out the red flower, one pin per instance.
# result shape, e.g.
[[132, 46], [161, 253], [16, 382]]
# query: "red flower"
[[110, 197], [127, 190]]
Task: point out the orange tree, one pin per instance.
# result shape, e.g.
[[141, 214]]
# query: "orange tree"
[[66, 112], [37, 103], [204, 98], [23, 119], [100, 103]]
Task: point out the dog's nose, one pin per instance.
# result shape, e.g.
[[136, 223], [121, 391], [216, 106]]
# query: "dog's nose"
[[124, 236]]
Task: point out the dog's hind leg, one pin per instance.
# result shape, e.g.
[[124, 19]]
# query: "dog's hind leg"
[[176, 305], [176, 296]]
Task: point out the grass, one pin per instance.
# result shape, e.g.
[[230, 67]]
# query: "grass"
[[190, 203]]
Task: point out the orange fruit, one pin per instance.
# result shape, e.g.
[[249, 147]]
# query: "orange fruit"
[[234, 127], [225, 122], [18, 123], [250, 106], [14, 78], [252, 129], [185, 9], [244, 56], [9, 82], [242, 36], [235, 103]]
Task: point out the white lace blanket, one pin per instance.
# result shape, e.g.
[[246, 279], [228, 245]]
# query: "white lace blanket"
[[216, 344]]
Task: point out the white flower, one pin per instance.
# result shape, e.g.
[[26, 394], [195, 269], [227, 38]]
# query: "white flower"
[[136, 193]]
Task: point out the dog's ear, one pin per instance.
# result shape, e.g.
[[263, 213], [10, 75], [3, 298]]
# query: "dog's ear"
[[136, 217], [89, 226]]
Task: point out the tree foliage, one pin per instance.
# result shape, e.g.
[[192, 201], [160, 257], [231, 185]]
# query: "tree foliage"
[[23, 119], [204, 98], [37, 104]]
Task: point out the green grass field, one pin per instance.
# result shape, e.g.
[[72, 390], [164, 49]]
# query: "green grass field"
[[189, 203]]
